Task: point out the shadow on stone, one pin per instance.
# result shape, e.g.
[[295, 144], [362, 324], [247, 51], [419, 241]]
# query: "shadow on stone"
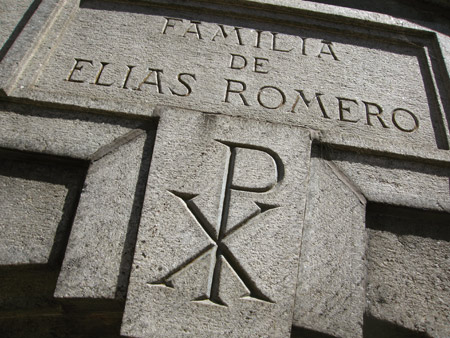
[[413, 10], [135, 218], [56, 321], [376, 328], [37, 185], [19, 27], [408, 221], [300, 332], [373, 328], [28, 308], [41, 194], [408, 272]]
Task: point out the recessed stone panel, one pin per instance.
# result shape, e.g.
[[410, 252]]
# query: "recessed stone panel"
[[409, 268], [38, 199], [191, 265], [129, 57], [101, 244]]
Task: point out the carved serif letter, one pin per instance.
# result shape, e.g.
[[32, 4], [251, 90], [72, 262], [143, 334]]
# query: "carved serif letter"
[[222, 252], [220, 231]]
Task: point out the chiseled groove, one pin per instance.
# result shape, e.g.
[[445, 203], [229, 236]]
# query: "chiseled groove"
[[214, 297], [117, 143], [255, 292], [166, 279], [262, 209], [222, 249], [275, 156], [199, 217]]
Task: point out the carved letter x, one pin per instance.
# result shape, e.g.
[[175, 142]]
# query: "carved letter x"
[[222, 251]]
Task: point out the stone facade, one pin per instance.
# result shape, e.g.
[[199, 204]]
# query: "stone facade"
[[214, 169]]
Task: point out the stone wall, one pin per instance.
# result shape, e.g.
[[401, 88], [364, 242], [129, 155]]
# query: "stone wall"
[[224, 169]]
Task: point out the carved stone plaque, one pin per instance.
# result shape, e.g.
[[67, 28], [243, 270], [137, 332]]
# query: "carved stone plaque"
[[219, 240], [374, 90]]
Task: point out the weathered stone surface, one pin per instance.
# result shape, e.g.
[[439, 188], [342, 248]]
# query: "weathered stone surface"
[[25, 23], [24, 287], [371, 79], [37, 202], [190, 266], [290, 73], [409, 269], [87, 136], [397, 181], [11, 12], [27, 308], [103, 323], [98, 255], [331, 287], [59, 132]]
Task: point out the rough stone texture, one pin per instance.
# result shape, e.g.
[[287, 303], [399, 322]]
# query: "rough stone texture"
[[27, 308], [102, 323], [190, 266], [96, 260], [409, 269], [11, 11], [330, 294], [397, 181], [26, 33], [396, 102], [37, 203], [59, 132], [24, 287], [92, 137], [76, 75]]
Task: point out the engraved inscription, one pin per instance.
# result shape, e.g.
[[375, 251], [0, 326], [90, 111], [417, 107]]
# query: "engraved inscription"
[[220, 250], [131, 77], [236, 92], [299, 76], [240, 36]]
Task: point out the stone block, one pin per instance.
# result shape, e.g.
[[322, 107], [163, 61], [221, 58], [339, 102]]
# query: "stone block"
[[101, 244], [331, 280], [218, 245], [114, 186], [239, 237], [409, 268], [397, 181], [290, 72], [58, 131]]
